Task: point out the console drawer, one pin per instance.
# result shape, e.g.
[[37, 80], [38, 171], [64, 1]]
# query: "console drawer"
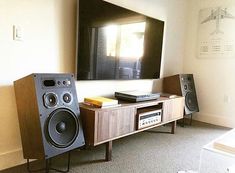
[[114, 123]]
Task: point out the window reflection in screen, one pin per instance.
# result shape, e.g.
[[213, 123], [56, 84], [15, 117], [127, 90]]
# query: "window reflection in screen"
[[118, 50], [125, 41]]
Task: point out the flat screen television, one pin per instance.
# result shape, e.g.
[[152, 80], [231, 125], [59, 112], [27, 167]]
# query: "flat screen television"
[[116, 43]]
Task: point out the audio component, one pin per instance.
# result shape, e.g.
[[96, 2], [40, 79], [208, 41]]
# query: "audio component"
[[149, 118], [136, 96], [48, 114], [183, 85]]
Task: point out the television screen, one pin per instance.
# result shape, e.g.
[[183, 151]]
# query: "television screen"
[[117, 43]]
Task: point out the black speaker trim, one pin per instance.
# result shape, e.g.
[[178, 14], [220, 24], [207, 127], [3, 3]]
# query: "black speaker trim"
[[191, 103]]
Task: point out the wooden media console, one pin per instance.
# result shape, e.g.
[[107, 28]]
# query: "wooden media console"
[[107, 124]]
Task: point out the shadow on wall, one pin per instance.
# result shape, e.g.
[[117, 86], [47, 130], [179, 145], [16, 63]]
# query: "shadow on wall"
[[67, 34], [10, 140]]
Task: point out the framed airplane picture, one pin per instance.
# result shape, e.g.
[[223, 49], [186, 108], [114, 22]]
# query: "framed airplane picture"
[[216, 36]]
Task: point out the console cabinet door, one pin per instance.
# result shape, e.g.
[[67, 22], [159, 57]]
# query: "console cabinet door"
[[173, 109], [114, 123]]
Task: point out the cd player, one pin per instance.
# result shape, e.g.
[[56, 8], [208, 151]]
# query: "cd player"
[[136, 96]]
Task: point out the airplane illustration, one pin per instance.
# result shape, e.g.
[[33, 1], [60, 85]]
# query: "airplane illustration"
[[218, 15]]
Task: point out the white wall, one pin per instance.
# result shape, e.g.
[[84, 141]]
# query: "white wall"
[[49, 46], [214, 77]]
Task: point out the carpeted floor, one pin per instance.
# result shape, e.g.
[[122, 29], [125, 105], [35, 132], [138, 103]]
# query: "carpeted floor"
[[146, 152]]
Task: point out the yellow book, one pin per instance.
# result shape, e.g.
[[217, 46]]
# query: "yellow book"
[[100, 101]]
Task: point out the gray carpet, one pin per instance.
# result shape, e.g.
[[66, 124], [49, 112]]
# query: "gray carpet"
[[145, 152]]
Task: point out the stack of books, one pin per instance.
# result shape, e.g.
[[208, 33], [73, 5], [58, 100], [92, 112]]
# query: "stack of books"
[[101, 102]]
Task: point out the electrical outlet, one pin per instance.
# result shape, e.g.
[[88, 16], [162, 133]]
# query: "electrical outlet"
[[17, 33]]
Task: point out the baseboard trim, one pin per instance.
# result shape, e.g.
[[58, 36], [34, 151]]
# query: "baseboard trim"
[[215, 119], [11, 159]]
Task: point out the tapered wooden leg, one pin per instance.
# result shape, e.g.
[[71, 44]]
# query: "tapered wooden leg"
[[108, 154], [173, 127]]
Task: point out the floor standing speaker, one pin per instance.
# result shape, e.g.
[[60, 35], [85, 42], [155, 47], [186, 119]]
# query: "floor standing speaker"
[[48, 114], [183, 85]]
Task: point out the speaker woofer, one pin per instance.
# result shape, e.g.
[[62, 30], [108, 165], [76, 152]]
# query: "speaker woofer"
[[62, 128], [191, 102], [50, 100]]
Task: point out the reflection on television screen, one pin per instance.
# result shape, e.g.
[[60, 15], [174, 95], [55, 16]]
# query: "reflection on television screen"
[[116, 43]]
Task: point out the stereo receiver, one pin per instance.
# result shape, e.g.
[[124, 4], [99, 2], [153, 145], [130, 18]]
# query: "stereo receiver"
[[149, 118]]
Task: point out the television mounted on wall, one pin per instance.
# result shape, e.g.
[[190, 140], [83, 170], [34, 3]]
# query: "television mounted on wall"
[[117, 43]]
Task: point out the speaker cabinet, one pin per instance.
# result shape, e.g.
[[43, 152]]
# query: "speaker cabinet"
[[49, 115], [183, 85]]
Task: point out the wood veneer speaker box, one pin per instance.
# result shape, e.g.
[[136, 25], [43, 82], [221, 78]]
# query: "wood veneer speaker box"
[[48, 114], [183, 85]]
